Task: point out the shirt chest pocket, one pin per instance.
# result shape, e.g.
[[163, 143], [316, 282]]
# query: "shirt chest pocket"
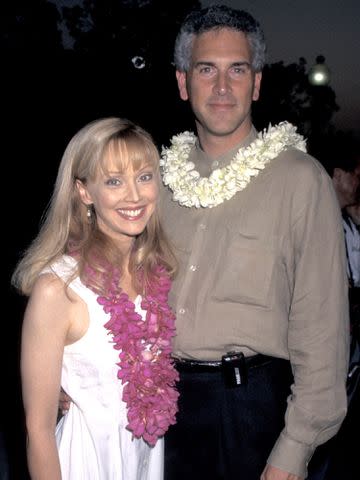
[[244, 273]]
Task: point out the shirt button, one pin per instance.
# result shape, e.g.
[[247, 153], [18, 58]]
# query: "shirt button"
[[181, 311], [202, 226], [215, 164], [193, 268]]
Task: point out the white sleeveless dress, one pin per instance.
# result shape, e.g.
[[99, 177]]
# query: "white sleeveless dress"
[[92, 440]]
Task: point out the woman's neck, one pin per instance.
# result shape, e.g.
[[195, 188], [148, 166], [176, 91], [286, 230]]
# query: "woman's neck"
[[127, 282]]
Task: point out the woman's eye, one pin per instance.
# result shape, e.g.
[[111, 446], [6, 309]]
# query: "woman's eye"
[[112, 181], [146, 177]]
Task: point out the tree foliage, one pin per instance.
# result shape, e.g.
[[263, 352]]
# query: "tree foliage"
[[286, 94], [29, 26], [126, 47], [121, 63], [127, 28]]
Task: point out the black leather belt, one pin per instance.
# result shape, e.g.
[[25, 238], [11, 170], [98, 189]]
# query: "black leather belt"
[[199, 366]]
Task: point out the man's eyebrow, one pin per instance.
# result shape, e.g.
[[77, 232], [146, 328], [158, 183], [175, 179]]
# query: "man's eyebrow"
[[239, 63], [202, 63]]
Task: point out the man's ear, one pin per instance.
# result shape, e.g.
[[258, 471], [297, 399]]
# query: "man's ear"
[[181, 81], [83, 192], [257, 83]]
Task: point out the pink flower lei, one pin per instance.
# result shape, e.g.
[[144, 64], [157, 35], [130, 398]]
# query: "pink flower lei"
[[146, 368]]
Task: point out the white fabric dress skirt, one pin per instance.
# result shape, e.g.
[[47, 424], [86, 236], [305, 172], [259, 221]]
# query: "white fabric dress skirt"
[[92, 438]]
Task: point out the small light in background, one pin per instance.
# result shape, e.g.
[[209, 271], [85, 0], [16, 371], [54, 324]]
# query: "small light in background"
[[319, 73], [138, 62]]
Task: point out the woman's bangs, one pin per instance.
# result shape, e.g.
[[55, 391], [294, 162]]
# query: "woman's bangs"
[[133, 152]]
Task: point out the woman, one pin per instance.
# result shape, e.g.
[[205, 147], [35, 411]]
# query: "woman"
[[97, 322]]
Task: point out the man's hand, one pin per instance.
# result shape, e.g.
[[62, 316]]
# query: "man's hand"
[[273, 473], [64, 402]]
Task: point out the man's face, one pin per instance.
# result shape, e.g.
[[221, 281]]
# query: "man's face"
[[221, 84], [347, 185]]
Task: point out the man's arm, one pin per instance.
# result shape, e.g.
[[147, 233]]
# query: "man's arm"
[[318, 325]]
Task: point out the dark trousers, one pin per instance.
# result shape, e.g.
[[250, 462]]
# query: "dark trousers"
[[224, 433]]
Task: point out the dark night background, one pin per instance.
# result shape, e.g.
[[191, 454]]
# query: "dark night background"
[[119, 64]]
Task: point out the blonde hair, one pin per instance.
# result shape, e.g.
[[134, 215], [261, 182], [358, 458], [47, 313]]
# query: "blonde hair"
[[66, 228]]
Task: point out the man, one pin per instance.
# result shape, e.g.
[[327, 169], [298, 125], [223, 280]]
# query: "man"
[[258, 233], [342, 162], [352, 236], [341, 158]]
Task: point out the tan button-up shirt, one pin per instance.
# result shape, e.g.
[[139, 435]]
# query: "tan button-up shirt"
[[265, 272]]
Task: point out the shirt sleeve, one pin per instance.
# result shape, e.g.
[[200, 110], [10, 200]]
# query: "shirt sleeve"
[[318, 335]]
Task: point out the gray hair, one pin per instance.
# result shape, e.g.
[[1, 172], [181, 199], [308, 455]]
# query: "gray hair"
[[215, 18]]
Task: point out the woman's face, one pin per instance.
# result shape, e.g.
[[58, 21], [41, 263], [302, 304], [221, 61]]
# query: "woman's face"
[[123, 201]]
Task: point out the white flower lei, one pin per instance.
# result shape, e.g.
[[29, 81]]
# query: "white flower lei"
[[191, 190]]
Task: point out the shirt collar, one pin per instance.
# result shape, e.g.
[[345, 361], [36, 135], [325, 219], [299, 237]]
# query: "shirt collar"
[[206, 164]]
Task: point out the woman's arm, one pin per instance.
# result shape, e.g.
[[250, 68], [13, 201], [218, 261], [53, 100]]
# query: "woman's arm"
[[46, 323]]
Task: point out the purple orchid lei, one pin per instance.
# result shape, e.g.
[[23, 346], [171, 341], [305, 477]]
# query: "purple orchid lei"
[[146, 368]]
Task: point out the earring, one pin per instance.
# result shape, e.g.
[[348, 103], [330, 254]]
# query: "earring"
[[89, 212]]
